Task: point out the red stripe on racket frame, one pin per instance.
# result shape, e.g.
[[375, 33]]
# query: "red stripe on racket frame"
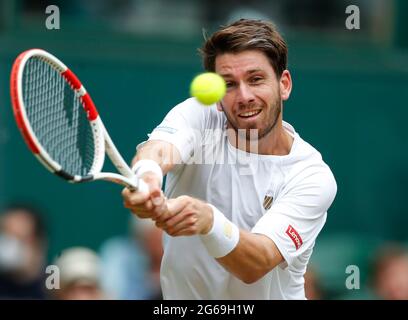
[[87, 102], [72, 79], [89, 107], [17, 107]]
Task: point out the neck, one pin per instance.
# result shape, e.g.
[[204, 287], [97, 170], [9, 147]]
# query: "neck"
[[277, 142]]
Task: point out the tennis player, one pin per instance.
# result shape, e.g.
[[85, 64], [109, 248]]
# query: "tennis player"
[[247, 196]]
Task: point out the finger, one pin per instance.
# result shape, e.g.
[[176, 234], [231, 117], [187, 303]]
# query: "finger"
[[175, 206], [149, 205], [153, 181], [162, 218], [125, 193], [158, 199], [143, 213], [160, 212], [156, 194], [175, 219], [134, 198], [138, 205], [163, 213], [142, 207], [177, 223]]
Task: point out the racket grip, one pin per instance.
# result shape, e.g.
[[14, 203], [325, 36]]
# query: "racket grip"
[[142, 186]]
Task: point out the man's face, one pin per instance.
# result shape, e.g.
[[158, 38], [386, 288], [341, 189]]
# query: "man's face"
[[253, 99]]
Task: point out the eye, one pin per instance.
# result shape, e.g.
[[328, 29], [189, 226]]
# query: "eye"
[[256, 79], [230, 84]]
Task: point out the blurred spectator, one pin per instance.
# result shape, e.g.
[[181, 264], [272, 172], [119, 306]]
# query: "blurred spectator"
[[131, 265], [23, 247], [390, 276], [313, 289], [79, 275]]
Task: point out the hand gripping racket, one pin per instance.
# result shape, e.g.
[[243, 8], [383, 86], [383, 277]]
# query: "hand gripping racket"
[[60, 123]]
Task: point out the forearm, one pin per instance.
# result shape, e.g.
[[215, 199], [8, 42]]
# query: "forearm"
[[164, 153], [247, 255], [253, 257]]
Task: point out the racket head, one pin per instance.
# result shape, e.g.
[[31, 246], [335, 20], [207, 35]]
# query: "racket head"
[[56, 116]]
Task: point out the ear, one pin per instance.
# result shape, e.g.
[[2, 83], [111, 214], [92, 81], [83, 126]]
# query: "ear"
[[219, 106], [285, 84]]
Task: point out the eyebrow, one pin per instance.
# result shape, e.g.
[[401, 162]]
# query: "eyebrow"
[[226, 75]]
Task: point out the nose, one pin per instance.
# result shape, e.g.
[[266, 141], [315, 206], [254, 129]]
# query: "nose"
[[245, 94]]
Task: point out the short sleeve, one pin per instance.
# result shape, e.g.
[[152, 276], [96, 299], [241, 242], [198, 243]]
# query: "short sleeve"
[[298, 215], [183, 127]]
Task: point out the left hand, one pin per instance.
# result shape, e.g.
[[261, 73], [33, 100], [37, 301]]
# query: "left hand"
[[146, 205], [186, 216]]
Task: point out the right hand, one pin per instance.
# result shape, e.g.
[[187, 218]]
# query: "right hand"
[[146, 205]]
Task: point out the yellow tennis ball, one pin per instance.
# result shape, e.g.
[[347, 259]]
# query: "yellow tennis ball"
[[208, 88]]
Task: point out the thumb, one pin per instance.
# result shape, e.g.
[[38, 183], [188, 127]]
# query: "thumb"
[[175, 206], [153, 182]]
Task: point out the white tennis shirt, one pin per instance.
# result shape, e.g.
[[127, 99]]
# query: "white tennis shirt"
[[283, 197]]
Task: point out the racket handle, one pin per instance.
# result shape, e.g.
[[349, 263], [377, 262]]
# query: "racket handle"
[[142, 186]]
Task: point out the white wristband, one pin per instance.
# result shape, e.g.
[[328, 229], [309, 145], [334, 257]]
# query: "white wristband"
[[147, 165], [223, 236]]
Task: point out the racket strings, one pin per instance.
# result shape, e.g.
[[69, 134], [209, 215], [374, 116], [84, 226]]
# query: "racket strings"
[[57, 118]]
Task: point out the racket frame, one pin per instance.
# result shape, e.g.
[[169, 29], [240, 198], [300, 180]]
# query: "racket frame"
[[102, 141]]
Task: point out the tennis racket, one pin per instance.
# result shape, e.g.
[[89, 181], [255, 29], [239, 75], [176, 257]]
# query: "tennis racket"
[[60, 123]]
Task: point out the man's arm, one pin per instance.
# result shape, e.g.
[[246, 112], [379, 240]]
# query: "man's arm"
[[152, 205], [171, 143], [164, 153], [253, 256], [250, 255]]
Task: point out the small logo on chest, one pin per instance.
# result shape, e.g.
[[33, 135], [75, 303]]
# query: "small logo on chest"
[[267, 203]]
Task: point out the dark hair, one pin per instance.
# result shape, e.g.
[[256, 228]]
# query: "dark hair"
[[34, 213], [243, 35]]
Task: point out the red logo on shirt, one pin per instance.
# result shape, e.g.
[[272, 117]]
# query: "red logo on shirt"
[[292, 233]]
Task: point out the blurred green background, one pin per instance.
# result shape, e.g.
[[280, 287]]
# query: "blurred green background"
[[137, 58]]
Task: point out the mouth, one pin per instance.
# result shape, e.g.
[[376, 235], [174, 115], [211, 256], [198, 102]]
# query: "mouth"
[[252, 114]]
